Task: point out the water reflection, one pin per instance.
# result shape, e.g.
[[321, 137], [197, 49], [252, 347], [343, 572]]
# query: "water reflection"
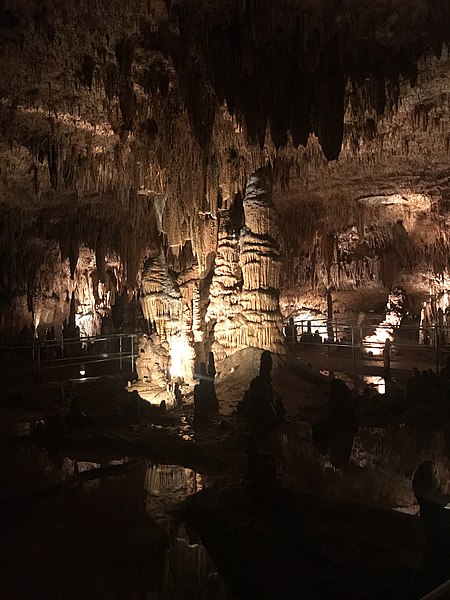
[[186, 431], [359, 383], [163, 480], [167, 485], [189, 571], [26, 469], [334, 439], [379, 469], [111, 536]]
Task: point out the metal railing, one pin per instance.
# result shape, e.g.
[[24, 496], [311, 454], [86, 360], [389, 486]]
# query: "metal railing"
[[338, 334], [59, 359]]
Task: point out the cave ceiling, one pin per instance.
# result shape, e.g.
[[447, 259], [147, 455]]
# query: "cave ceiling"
[[128, 125]]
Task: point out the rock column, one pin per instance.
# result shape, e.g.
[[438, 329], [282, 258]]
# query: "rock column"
[[260, 264]]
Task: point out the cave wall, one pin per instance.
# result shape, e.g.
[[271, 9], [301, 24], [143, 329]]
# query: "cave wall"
[[378, 216], [127, 131]]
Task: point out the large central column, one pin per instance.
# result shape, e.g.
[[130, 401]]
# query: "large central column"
[[244, 308], [224, 309], [260, 264]]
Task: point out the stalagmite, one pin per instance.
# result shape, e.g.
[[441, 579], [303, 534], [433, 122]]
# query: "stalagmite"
[[260, 264], [162, 304], [223, 313], [243, 309]]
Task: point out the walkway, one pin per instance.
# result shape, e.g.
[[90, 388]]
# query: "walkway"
[[42, 362]]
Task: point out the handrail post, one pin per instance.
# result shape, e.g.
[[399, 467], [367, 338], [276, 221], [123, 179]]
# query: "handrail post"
[[353, 347], [437, 344], [132, 354], [120, 353], [39, 363]]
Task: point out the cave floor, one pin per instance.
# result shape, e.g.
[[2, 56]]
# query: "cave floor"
[[82, 520]]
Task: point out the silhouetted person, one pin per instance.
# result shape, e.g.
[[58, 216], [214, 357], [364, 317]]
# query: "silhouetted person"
[[435, 516], [291, 332]]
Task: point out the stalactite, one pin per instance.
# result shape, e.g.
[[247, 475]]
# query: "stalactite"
[[349, 244], [100, 258], [73, 255], [152, 119]]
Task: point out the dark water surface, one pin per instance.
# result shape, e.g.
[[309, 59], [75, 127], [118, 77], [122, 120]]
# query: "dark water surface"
[[366, 465], [67, 533]]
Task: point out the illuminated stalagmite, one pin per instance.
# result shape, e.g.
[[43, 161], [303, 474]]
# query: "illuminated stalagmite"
[[244, 309], [260, 263], [242, 306], [224, 309], [171, 317]]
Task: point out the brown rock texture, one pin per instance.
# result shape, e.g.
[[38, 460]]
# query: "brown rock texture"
[[129, 131]]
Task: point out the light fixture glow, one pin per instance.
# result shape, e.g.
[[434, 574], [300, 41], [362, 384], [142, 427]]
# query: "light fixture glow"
[[378, 382], [180, 357]]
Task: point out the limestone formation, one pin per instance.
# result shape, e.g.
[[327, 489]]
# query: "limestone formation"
[[152, 363], [224, 308], [262, 407], [260, 264], [129, 132], [243, 309], [165, 309]]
